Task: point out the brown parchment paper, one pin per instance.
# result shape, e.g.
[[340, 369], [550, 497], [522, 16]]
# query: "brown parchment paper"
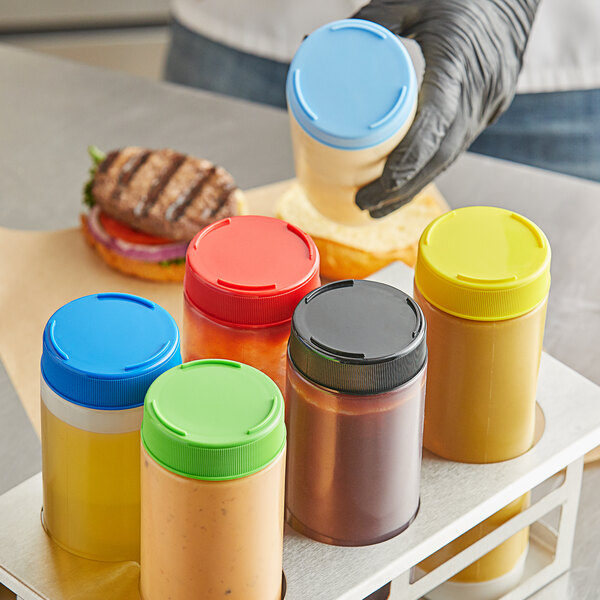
[[42, 270]]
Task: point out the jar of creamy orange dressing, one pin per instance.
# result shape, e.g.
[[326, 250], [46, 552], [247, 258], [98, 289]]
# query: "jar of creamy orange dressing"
[[212, 484], [243, 279], [100, 355], [352, 96], [482, 279]]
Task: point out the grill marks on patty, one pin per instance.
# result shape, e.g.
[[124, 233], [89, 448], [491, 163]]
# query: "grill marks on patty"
[[163, 192], [176, 209], [128, 170], [220, 201], [108, 161], [131, 167], [142, 208]]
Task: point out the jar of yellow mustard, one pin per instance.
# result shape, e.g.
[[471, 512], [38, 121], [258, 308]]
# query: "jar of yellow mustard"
[[100, 355], [482, 279]]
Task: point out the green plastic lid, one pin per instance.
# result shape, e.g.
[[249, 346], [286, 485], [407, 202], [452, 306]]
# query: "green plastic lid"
[[214, 420]]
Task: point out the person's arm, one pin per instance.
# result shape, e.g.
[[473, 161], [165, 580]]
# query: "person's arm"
[[473, 52]]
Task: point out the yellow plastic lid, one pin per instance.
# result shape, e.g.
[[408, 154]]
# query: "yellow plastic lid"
[[483, 263]]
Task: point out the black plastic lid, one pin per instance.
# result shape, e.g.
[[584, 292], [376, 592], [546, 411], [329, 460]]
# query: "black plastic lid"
[[359, 337]]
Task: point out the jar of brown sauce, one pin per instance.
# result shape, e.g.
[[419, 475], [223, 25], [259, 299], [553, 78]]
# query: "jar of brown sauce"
[[355, 390]]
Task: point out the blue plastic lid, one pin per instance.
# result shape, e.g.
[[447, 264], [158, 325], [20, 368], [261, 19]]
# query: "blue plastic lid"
[[351, 84], [104, 350]]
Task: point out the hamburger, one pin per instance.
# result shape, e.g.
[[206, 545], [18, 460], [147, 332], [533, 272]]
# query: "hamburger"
[[146, 205]]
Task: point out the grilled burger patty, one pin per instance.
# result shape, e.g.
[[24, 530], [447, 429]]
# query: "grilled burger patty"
[[163, 192]]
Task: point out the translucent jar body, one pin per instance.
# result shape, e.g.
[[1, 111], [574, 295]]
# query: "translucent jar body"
[[262, 347], [495, 564], [211, 539], [354, 461], [481, 384], [330, 177], [90, 466]]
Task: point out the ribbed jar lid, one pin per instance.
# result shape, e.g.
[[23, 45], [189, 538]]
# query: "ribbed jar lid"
[[360, 337], [104, 350], [483, 263], [250, 270], [351, 84], [213, 420]]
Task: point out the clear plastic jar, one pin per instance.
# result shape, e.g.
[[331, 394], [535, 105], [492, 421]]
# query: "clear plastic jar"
[[212, 481], [503, 566], [263, 347], [342, 134], [244, 277], [483, 372], [355, 392], [100, 354], [482, 278]]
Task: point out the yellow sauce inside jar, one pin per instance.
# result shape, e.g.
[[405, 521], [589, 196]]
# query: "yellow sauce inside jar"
[[91, 489]]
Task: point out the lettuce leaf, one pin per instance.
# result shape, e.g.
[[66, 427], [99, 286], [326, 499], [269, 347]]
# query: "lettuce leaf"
[[174, 261], [97, 157]]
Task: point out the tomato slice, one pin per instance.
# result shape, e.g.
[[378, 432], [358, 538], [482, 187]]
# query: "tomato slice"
[[119, 230]]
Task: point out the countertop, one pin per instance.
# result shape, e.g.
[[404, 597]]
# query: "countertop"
[[52, 110]]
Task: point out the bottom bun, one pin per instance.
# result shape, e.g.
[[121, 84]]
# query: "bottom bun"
[[344, 262], [129, 266], [356, 252]]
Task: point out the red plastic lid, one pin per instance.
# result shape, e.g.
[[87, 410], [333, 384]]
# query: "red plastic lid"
[[250, 270]]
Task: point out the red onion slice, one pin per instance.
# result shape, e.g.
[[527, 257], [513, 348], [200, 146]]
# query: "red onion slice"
[[145, 252]]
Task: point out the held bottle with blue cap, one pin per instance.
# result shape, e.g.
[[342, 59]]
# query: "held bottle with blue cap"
[[100, 355], [352, 96]]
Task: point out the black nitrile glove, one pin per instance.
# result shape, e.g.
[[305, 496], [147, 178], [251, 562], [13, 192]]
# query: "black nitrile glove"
[[473, 52]]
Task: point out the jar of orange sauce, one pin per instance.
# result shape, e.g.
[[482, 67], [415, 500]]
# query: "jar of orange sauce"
[[212, 484], [244, 277]]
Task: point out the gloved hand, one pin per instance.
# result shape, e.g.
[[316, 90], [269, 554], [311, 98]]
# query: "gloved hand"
[[473, 52]]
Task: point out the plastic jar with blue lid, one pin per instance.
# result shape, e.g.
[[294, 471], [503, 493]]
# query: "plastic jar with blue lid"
[[352, 96], [100, 355]]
